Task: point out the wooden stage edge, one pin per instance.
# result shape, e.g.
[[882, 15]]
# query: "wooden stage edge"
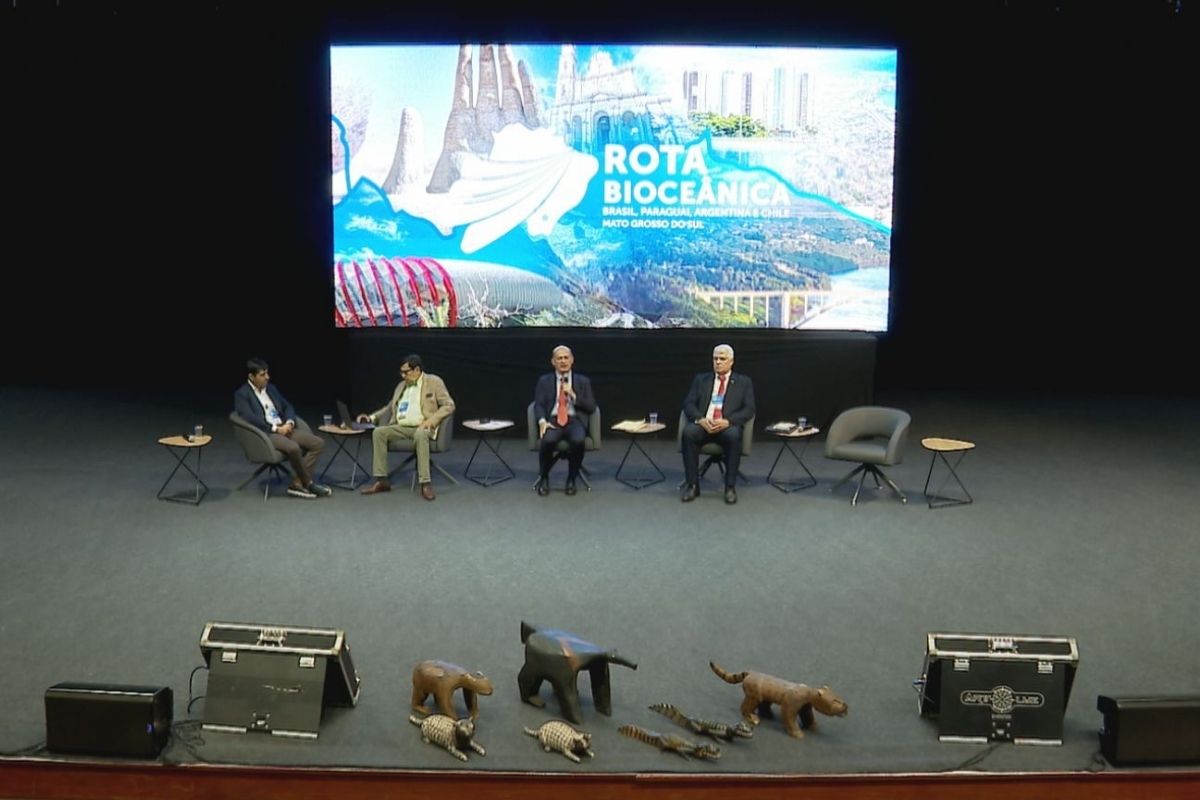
[[35, 779]]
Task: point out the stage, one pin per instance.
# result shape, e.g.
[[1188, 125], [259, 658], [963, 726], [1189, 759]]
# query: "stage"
[[1083, 525], [156, 250]]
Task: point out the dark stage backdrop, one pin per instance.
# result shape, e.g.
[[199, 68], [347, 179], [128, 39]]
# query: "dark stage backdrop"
[[169, 191], [492, 374]]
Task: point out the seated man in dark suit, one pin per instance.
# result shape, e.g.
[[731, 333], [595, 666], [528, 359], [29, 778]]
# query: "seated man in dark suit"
[[562, 402], [717, 406], [262, 405]]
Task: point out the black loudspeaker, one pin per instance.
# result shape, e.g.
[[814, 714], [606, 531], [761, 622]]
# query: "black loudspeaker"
[[275, 679], [108, 720], [1150, 730]]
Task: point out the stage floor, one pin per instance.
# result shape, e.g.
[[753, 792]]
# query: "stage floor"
[[1083, 525]]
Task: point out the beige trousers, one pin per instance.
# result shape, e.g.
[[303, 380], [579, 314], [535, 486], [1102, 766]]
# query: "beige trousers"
[[386, 433]]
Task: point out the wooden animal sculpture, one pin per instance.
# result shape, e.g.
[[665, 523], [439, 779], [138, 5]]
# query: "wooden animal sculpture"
[[560, 736], [441, 679], [449, 733], [671, 743], [558, 656], [794, 699], [718, 731]]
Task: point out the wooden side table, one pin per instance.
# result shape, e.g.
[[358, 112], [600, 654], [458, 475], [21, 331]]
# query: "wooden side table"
[[482, 428], [787, 437], [179, 447], [939, 448]]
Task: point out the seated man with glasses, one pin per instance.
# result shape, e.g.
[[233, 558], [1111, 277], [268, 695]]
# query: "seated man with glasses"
[[418, 405]]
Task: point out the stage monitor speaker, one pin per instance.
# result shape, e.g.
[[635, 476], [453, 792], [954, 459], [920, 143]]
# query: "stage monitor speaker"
[[985, 687], [275, 679], [1150, 730], [108, 720]]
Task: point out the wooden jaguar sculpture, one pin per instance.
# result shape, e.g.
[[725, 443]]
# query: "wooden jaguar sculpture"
[[558, 656], [794, 699], [441, 679]]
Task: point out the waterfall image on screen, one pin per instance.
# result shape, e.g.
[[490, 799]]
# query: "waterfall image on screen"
[[631, 186]]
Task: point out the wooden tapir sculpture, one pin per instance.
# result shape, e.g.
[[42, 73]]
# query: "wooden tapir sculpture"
[[558, 656]]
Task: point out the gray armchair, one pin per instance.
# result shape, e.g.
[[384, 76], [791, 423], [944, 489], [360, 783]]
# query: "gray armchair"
[[714, 452], [874, 436], [443, 437], [590, 442], [256, 444]]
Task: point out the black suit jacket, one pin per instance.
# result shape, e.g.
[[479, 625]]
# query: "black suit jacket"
[[739, 398], [246, 404], [545, 397]]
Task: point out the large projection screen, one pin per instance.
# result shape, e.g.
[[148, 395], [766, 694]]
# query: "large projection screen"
[[624, 186]]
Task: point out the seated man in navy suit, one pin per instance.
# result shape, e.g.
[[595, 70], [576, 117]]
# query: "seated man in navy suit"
[[265, 407], [717, 406], [562, 401]]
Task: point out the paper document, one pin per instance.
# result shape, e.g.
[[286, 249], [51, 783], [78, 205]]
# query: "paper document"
[[491, 424]]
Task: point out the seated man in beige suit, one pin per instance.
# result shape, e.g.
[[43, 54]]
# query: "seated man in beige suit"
[[418, 406]]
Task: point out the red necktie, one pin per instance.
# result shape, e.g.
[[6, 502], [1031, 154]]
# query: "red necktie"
[[562, 404], [721, 394]]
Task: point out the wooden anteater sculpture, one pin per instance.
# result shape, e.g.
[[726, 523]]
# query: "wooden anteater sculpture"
[[557, 656], [441, 679], [794, 699]]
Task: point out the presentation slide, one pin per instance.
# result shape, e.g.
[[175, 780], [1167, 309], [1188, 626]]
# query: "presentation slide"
[[612, 186]]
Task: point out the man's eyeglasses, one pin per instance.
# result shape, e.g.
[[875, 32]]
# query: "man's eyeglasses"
[[405, 370]]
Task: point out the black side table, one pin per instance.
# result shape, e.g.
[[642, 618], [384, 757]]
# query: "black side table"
[[641, 480], [787, 437], [340, 437], [483, 428]]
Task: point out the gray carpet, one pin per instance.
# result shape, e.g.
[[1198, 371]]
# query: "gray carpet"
[[1084, 525]]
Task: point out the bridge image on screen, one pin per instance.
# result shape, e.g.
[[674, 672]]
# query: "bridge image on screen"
[[633, 186]]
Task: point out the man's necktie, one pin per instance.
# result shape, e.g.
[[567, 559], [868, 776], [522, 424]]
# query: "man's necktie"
[[721, 394], [562, 402]]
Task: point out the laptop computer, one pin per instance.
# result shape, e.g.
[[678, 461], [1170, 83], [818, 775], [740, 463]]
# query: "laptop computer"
[[348, 421]]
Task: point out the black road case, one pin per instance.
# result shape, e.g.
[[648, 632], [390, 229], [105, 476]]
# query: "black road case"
[[275, 679], [984, 687]]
